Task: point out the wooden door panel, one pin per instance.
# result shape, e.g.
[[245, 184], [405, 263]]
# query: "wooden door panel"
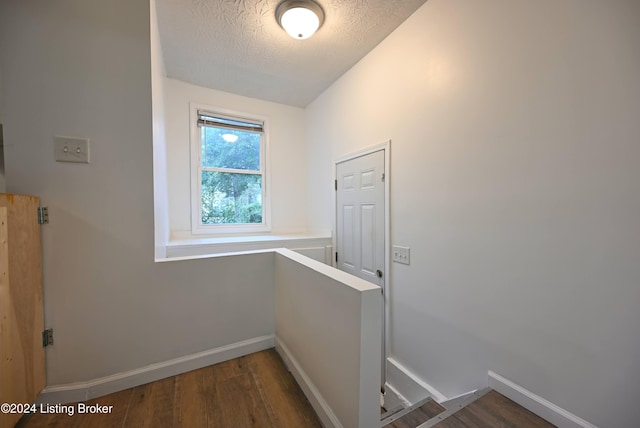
[[22, 368]]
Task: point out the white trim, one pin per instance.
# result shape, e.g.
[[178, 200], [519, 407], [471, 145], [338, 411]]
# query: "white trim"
[[198, 247], [386, 148], [459, 397], [319, 404], [363, 152], [82, 391], [536, 404], [195, 146], [409, 386], [401, 398], [345, 278]]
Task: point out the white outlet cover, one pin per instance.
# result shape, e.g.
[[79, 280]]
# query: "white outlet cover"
[[70, 149]]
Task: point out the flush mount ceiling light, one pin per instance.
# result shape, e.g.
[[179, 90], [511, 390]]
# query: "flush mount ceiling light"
[[300, 18]]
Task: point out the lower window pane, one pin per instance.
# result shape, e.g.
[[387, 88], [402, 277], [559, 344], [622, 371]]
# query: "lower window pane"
[[229, 198]]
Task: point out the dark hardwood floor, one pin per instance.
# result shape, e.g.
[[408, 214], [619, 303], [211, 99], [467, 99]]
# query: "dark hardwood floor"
[[494, 410], [251, 391], [491, 410], [418, 416], [256, 390]]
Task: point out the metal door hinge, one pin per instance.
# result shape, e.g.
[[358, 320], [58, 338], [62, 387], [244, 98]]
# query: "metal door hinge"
[[43, 215], [336, 184], [382, 177], [336, 257], [47, 337]]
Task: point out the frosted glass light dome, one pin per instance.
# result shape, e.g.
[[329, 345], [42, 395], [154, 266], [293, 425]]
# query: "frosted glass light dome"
[[300, 19]]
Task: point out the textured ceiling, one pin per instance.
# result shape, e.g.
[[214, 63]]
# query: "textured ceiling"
[[237, 46]]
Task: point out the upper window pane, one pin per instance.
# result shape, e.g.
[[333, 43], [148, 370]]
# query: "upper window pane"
[[230, 148]]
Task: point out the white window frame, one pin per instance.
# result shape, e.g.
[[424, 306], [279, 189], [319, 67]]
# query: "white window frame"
[[197, 228]]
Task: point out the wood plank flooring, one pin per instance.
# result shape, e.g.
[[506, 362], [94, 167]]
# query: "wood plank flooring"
[[257, 391], [251, 391], [494, 410], [418, 416]]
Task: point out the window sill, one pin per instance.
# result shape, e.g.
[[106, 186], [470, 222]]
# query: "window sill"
[[318, 247]]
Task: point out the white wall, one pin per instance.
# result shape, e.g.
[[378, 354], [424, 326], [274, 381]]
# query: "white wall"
[[160, 184], [287, 154], [515, 180], [328, 327], [83, 68]]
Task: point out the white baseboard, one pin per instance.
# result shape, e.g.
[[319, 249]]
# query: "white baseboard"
[[408, 386], [536, 404], [319, 404], [82, 391], [392, 395]]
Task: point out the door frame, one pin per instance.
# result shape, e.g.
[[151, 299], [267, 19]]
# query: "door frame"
[[386, 148]]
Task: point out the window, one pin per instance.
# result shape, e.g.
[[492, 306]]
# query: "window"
[[228, 153]]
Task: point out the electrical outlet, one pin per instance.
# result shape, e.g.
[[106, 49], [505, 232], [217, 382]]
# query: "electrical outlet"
[[67, 149], [401, 254]]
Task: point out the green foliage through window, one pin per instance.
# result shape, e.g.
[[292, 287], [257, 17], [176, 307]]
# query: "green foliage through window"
[[218, 152], [229, 198], [231, 176]]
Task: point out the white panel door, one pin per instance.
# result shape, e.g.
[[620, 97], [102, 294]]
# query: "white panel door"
[[360, 217]]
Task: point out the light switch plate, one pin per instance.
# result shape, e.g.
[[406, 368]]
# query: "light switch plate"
[[69, 149], [401, 254]]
